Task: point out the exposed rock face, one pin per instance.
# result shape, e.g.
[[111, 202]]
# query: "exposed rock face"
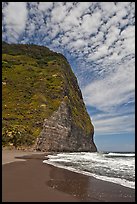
[[60, 134]]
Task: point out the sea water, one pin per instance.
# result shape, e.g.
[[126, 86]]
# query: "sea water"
[[109, 166]]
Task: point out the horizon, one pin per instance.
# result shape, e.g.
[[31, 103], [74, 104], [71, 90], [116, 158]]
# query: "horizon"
[[98, 40]]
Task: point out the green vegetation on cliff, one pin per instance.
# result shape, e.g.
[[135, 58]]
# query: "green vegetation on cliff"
[[35, 81]]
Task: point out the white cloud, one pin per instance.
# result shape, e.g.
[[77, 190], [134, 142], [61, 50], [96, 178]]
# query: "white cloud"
[[44, 6], [114, 125], [101, 52], [112, 90], [108, 8], [58, 13], [91, 23], [112, 35], [72, 15], [77, 44], [15, 17], [128, 32]]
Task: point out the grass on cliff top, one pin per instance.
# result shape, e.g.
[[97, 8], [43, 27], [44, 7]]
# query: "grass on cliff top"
[[34, 82]]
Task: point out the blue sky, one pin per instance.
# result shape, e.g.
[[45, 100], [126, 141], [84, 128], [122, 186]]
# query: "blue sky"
[[98, 39]]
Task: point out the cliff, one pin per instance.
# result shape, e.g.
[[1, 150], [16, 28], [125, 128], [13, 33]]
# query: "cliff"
[[42, 105]]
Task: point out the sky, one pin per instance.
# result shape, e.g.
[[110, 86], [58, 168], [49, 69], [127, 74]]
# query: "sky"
[[98, 39]]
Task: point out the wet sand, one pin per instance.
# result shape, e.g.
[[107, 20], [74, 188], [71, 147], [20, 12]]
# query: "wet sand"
[[33, 181]]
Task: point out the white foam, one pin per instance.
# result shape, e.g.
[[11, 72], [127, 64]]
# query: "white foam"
[[94, 164], [120, 154], [119, 181]]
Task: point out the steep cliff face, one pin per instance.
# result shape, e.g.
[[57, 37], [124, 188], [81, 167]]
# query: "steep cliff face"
[[61, 134], [42, 104]]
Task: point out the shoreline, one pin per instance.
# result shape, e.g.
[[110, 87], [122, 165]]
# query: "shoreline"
[[38, 181], [90, 175]]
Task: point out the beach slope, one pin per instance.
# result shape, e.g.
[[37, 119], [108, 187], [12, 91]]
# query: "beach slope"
[[34, 181]]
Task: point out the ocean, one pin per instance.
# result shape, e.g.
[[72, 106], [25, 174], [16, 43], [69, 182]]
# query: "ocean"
[[115, 167]]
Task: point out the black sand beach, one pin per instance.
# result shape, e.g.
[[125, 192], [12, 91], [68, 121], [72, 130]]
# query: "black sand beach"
[[33, 181]]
